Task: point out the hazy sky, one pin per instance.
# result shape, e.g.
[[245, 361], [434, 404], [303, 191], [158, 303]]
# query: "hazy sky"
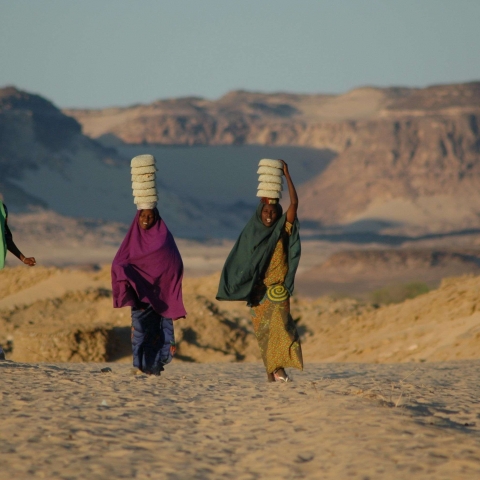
[[96, 53]]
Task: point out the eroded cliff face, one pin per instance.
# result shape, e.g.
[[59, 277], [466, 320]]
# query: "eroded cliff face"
[[238, 118], [407, 156], [324, 121], [417, 160]]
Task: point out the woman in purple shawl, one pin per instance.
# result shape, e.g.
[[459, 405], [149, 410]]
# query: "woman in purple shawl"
[[147, 275]]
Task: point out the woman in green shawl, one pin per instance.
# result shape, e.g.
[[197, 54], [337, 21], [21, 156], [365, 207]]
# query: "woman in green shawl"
[[6, 240], [260, 269]]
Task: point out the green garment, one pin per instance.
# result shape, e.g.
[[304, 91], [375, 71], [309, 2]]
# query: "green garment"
[[3, 240], [251, 255]]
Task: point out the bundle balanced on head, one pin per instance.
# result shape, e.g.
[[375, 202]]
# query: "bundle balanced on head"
[[147, 274], [261, 269]]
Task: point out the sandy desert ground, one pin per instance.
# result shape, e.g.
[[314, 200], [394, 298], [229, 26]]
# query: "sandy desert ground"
[[387, 392], [210, 421]]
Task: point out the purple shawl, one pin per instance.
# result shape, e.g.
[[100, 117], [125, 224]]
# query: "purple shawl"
[[148, 267]]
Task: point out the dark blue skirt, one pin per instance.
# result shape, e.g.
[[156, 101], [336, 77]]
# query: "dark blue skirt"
[[152, 337]]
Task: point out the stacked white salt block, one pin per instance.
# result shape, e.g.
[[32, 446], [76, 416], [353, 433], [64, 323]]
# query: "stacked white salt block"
[[270, 181], [143, 182]]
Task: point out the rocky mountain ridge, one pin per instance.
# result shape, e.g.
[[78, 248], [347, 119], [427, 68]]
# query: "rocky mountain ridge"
[[406, 157], [407, 160], [241, 117]]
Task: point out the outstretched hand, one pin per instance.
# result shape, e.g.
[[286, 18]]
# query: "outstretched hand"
[[30, 261]]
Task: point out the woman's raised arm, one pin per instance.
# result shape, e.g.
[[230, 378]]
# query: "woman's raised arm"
[[292, 209]]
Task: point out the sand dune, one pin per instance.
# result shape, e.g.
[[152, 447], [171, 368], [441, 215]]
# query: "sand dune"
[[441, 325]]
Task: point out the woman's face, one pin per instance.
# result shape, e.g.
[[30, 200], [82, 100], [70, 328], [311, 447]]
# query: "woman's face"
[[269, 215], [146, 219]]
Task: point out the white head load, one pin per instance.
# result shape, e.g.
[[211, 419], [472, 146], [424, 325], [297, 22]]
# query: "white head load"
[[143, 182], [270, 181]]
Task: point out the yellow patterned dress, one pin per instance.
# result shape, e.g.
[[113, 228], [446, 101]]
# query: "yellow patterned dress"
[[273, 325]]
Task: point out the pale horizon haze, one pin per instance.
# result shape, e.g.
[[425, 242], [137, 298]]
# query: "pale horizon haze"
[[95, 54]]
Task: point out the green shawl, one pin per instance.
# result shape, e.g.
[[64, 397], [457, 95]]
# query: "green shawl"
[[3, 240], [251, 255]]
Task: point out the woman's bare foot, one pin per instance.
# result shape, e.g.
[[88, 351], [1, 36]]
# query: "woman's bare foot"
[[281, 376]]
